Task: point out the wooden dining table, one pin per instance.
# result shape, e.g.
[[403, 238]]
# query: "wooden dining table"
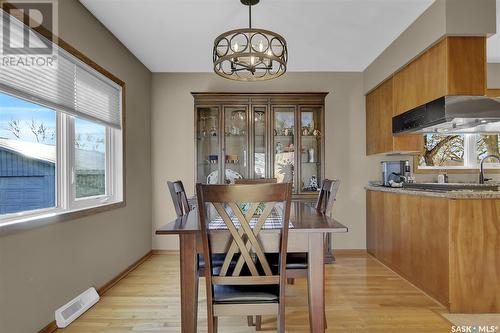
[[306, 234]]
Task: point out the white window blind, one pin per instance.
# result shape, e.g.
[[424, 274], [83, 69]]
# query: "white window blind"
[[70, 86]]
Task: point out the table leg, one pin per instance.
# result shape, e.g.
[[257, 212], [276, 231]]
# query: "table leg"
[[329, 258], [316, 287], [189, 283]]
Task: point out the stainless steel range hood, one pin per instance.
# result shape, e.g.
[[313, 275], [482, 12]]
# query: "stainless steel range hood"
[[451, 114]]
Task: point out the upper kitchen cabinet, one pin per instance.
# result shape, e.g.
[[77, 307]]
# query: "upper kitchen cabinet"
[[379, 113], [453, 66]]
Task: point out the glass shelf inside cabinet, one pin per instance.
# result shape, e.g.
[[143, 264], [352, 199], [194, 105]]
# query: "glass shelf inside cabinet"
[[284, 144], [310, 150], [260, 158], [208, 144], [235, 143]]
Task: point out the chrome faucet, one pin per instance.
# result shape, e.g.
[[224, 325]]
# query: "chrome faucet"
[[481, 168]]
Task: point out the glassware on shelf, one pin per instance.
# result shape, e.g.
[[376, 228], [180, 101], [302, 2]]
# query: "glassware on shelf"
[[259, 141], [284, 158], [310, 168], [235, 140], [238, 120], [259, 116], [203, 125], [208, 150], [213, 128]]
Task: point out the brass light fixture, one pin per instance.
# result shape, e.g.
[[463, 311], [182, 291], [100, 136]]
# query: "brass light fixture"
[[250, 54]]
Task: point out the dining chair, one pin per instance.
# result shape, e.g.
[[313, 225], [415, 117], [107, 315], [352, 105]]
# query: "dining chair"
[[256, 181], [326, 199], [182, 207], [179, 197], [246, 181], [297, 263], [251, 286]]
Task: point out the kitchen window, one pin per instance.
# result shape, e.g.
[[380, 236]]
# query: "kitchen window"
[[60, 139], [458, 151]]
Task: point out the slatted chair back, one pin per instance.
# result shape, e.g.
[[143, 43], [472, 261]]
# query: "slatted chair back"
[[179, 198], [327, 196], [256, 181], [244, 228]]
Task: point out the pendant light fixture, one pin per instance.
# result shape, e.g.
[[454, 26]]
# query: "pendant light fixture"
[[250, 54]]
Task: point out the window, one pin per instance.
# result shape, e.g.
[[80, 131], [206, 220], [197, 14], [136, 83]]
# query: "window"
[[27, 156], [90, 159], [459, 151], [60, 139]]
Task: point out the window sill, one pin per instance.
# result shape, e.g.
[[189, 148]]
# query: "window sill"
[[454, 171], [28, 222]]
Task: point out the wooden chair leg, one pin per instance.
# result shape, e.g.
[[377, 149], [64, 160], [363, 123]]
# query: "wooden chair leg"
[[216, 324], [250, 320], [290, 281], [258, 323], [210, 324], [281, 322], [326, 325]]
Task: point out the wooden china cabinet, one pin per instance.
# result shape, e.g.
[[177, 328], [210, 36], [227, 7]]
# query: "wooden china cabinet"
[[260, 135]]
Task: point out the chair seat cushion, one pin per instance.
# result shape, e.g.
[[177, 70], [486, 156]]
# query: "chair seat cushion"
[[293, 260], [217, 260], [238, 294]]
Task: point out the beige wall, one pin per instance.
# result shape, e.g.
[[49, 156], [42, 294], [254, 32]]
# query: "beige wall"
[[173, 140], [443, 17], [494, 76], [42, 268]]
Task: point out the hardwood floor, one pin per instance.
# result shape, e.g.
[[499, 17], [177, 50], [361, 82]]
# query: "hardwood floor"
[[363, 296]]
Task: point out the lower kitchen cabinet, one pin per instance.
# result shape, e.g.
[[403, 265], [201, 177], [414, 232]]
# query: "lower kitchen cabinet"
[[409, 234], [475, 256], [448, 248]]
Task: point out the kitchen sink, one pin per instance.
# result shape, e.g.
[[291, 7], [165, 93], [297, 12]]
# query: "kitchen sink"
[[451, 186]]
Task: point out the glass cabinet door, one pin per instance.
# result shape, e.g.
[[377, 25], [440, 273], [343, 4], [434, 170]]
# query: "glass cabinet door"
[[208, 150], [310, 150], [259, 141], [235, 143], [284, 143]]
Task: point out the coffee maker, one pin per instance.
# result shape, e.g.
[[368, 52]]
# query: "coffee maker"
[[395, 171]]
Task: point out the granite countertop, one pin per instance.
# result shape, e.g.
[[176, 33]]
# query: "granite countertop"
[[456, 194]]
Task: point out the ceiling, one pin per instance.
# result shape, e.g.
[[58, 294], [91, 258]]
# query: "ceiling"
[[322, 35]]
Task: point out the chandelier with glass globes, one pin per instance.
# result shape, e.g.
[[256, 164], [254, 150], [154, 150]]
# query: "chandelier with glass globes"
[[250, 54]]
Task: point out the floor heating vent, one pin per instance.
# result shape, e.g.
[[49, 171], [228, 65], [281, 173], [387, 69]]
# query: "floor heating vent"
[[74, 308]]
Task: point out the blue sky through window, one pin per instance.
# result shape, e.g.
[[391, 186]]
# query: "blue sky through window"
[[25, 114]]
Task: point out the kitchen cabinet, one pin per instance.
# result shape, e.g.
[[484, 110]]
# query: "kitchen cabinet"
[[475, 256], [449, 248], [409, 234], [493, 92], [379, 113], [259, 135], [453, 66]]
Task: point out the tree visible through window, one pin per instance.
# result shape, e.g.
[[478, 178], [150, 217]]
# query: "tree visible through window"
[[443, 150], [458, 150]]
